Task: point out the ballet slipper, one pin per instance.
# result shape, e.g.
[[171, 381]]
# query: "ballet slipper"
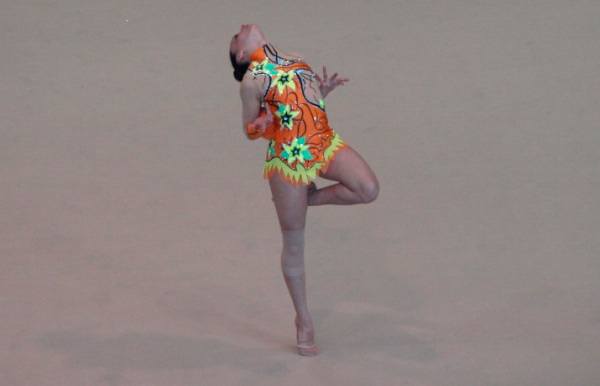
[[307, 351], [304, 348]]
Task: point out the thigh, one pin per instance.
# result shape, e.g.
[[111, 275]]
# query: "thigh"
[[350, 168], [290, 202]]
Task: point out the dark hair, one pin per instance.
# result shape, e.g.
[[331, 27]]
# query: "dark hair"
[[239, 69]]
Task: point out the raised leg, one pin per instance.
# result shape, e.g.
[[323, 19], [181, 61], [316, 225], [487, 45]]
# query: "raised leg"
[[357, 183]]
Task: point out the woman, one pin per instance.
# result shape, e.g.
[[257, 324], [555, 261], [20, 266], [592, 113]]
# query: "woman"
[[283, 102]]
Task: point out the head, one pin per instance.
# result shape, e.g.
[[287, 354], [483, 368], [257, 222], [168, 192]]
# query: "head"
[[243, 43]]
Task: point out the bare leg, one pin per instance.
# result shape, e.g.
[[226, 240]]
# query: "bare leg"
[[336, 194], [290, 203], [357, 182]]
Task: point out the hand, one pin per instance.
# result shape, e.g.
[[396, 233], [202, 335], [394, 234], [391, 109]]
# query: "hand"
[[327, 85], [264, 119]]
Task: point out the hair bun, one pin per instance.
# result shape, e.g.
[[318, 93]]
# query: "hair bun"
[[238, 74], [239, 69]]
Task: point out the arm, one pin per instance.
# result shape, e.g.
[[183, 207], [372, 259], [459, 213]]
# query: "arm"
[[250, 109]]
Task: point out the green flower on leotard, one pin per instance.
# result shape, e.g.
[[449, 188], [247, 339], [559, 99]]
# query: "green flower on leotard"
[[284, 79], [264, 66], [297, 150], [286, 115]]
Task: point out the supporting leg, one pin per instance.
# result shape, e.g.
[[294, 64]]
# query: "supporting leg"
[[290, 202], [292, 266]]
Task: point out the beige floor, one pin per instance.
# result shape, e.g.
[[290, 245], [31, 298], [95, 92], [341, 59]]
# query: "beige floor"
[[139, 243]]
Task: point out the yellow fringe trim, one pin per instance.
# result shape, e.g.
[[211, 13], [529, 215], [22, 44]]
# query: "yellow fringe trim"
[[302, 175]]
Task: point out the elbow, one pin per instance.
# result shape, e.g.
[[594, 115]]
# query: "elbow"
[[248, 134], [252, 137], [251, 132]]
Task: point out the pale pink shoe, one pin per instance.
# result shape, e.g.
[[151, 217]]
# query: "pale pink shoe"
[[305, 349]]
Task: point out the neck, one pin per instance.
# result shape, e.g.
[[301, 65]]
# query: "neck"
[[258, 44], [253, 47]]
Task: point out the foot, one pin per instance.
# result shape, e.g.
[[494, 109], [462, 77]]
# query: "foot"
[[305, 336]]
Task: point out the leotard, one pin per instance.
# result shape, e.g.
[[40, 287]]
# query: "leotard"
[[301, 142]]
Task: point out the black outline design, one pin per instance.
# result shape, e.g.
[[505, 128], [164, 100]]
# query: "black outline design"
[[302, 80], [304, 73]]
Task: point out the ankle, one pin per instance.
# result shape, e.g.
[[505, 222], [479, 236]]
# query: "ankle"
[[304, 321]]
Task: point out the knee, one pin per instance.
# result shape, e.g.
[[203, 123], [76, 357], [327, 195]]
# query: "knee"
[[293, 239], [292, 227], [369, 190]]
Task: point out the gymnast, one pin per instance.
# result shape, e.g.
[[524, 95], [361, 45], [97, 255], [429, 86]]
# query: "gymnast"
[[283, 101]]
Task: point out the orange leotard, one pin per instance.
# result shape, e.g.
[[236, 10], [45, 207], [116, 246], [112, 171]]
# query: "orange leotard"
[[301, 142]]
